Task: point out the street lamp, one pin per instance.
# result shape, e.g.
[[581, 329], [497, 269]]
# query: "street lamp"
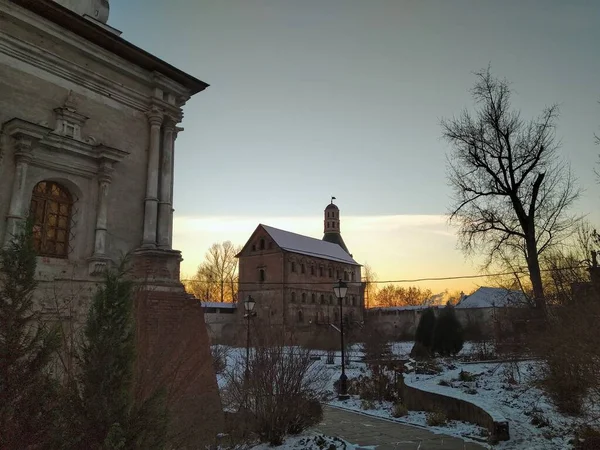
[[340, 290], [248, 307]]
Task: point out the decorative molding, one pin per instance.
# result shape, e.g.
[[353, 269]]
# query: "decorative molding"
[[97, 266], [61, 153]]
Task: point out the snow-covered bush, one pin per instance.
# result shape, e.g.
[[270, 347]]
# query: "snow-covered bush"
[[436, 418]]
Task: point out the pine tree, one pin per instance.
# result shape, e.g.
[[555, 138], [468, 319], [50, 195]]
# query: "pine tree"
[[424, 334], [28, 395], [448, 333], [110, 416]]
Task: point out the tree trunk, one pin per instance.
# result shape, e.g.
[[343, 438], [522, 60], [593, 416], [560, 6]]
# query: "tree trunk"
[[535, 275]]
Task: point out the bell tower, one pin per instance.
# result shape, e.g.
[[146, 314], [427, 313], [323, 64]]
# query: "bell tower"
[[331, 225]]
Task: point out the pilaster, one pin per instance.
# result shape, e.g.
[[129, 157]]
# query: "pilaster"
[[155, 118]]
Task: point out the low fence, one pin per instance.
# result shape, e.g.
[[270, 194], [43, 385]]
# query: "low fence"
[[417, 399]]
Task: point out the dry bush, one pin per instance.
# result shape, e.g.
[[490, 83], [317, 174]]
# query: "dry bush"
[[570, 348], [436, 418], [219, 354], [399, 410], [382, 384], [281, 394], [587, 438], [376, 345]]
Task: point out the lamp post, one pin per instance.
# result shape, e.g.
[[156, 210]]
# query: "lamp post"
[[340, 290], [248, 307]]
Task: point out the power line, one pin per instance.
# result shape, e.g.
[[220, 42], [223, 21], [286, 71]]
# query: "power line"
[[416, 280]]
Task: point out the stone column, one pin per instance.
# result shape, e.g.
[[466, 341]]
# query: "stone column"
[[17, 211], [104, 180], [166, 186], [155, 117], [175, 134]]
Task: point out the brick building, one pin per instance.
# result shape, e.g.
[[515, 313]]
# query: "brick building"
[[291, 277], [88, 124]]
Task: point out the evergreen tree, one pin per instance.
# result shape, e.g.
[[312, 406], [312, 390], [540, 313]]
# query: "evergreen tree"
[[110, 417], [424, 334], [448, 333], [28, 395]]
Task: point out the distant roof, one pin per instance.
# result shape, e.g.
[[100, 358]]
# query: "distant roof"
[[297, 243], [218, 305], [331, 206], [336, 238], [490, 297]]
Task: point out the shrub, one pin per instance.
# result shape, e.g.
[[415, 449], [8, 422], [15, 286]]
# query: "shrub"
[[436, 418], [465, 376], [381, 385], [281, 394], [444, 383], [307, 416], [448, 333], [219, 357], [376, 345], [399, 410], [367, 404], [424, 333]]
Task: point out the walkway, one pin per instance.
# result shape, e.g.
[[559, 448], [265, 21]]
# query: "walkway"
[[380, 434]]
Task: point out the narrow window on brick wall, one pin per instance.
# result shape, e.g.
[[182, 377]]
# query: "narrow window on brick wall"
[[293, 297], [253, 247], [300, 316], [302, 268], [304, 297], [337, 274], [345, 276], [330, 272], [351, 276], [313, 298], [262, 275], [320, 271], [353, 301], [293, 267], [312, 270], [331, 299], [322, 299], [262, 244]]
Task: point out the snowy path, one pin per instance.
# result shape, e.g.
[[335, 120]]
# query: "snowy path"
[[372, 433]]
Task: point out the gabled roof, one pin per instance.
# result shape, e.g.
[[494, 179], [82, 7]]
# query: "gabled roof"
[[297, 243], [489, 297]]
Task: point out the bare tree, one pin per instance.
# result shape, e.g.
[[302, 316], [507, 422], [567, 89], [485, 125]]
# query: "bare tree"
[[512, 192], [217, 277], [369, 278]]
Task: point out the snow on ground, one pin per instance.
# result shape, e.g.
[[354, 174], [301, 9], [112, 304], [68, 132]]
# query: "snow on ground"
[[505, 389], [310, 441]]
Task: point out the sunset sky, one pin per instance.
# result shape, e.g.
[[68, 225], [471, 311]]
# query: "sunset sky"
[[318, 98]]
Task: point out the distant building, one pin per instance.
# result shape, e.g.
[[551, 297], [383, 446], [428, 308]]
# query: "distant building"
[[291, 276]]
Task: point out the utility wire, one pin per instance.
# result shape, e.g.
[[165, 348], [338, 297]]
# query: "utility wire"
[[459, 277]]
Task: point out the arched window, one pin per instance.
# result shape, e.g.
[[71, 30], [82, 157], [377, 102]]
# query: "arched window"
[[302, 268], [320, 271], [313, 298], [312, 270], [331, 299], [261, 275], [304, 297], [351, 276], [293, 297], [300, 316], [330, 272], [353, 301], [293, 266], [50, 210], [322, 299], [262, 244]]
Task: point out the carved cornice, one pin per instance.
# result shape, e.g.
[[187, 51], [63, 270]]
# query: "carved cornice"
[[54, 151]]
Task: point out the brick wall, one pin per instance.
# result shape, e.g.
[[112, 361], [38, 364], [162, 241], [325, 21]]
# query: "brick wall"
[[174, 352]]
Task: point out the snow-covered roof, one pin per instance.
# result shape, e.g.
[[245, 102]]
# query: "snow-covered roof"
[[305, 245], [218, 305], [489, 297]]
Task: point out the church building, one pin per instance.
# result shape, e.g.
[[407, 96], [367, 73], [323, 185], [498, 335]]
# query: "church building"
[[88, 127], [291, 277]]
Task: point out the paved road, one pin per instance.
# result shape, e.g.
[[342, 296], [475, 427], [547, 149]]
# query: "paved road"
[[373, 433]]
